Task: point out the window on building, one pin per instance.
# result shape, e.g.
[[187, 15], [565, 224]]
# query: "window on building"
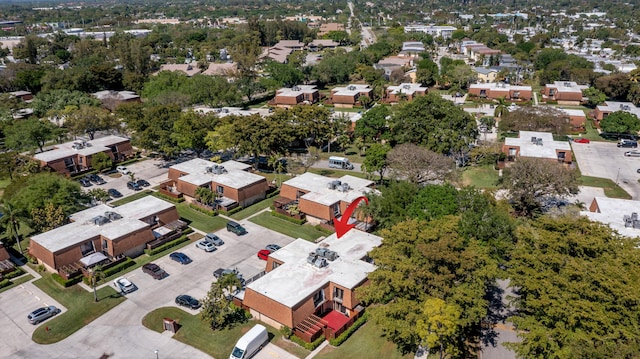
[[340, 308], [561, 155], [335, 209], [516, 94], [87, 248], [80, 160], [338, 293], [105, 245], [318, 298], [220, 189], [299, 194], [275, 265]]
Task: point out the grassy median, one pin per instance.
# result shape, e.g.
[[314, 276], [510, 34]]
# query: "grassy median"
[[305, 231]]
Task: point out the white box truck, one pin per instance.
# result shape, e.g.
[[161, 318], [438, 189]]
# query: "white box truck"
[[250, 343]]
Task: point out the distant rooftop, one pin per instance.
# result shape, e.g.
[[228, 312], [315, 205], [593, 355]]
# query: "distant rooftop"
[[612, 211], [350, 90], [233, 176], [500, 86], [296, 90], [296, 279], [613, 106], [67, 149], [545, 148], [319, 191], [406, 88], [567, 86], [84, 228]]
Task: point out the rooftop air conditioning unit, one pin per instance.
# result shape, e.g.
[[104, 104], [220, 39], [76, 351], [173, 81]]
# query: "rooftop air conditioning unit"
[[344, 187], [320, 263], [311, 258], [351, 88], [326, 253], [100, 220], [295, 88], [112, 215], [534, 139], [406, 87]]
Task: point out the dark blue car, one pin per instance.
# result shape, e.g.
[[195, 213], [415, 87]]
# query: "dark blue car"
[[180, 257]]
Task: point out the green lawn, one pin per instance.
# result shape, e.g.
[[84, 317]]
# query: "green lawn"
[[366, 340], [200, 220], [285, 227], [480, 177], [592, 132], [17, 281], [253, 209], [218, 343], [610, 188], [3, 184], [131, 198], [81, 307]]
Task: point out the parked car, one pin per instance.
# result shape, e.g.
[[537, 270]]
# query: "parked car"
[[96, 179], [154, 270], [124, 285], [180, 257], [264, 254], [41, 314], [206, 246], [221, 272], [187, 301], [85, 182], [627, 143], [581, 140], [632, 153], [122, 169], [143, 183], [214, 239], [236, 228], [272, 247], [114, 193], [133, 186]]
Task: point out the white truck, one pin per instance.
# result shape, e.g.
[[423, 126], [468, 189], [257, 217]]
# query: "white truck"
[[250, 343], [340, 162]]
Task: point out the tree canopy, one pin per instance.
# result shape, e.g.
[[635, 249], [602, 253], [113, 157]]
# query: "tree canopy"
[[620, 122]]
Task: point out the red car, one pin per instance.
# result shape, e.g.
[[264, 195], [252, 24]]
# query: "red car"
[[581, 140], [264, 254]]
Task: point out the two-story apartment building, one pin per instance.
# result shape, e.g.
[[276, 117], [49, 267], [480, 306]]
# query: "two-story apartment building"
[[311, 287], [230, 180], [537, 145], [404, 91], [301, 94], [103, 233], [348, 96], [564, 93], [610, 107], [501, 90], [74, 157]]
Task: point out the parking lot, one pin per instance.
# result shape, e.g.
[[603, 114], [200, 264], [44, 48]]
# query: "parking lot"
[[605, 160], [150, 170], [119, 333]]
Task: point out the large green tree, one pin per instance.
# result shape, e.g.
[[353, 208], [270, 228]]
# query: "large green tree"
[[376, 159], [29, 133], [153, 130], [578, 294], [49, 188], [374, 126], [620, 122], [89, 120]]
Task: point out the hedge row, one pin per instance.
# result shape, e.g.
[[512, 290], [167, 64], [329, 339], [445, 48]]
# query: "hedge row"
[[202, 210], [167, 198], [5, 283], [309, 346], [287, 218], [16, 272], [347, 333], [168, 245], [235, 210], [323, 230], [273, 194], [66, 282]]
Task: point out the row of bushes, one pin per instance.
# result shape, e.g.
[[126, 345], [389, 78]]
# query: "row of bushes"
[[287, 218], [208, 212], [167, 198], [66, 282], [118, 267], [5, 283], [235, 210], [347, 333], [16, 272], [171, 244], [309, 346]]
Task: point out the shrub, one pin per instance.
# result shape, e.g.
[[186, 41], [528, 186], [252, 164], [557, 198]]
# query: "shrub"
[[167, 198], [64, 282], [118, 267], [320, 228], [309, 346], [273, 194], [168, 245], [290, 219], [235, 210], [347, 333], [203, 210], [5, 283], [16, 272], [286, 332]]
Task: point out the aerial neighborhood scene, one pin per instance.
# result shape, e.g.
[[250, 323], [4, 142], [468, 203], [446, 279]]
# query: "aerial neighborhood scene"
[[320, 179]]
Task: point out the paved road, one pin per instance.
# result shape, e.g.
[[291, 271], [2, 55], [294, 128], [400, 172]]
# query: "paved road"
[[119, 332], [605, 160]]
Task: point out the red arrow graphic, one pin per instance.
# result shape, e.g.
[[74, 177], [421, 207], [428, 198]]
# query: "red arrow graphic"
[[342, 226]]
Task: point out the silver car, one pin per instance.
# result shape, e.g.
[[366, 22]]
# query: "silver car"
[[632, 153], [215, 240], [124, 285], [206, 246], [42, 314]]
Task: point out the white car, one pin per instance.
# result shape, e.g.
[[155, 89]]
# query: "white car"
[[206, 246], [124, 285], [122, 169]]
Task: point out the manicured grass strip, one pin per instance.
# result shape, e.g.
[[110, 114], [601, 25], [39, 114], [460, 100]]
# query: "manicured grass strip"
[[366, 340], [17, 281], [253, 209], [81, 309], [338, 173], [481, 177], [217, 343], [611, 189], [285, 227], [131, 198], [200, 220]]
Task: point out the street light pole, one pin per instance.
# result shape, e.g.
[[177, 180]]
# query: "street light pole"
[[156, 351]]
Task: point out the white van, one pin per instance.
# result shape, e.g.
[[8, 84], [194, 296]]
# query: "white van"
[[250, 343], [340, 162]]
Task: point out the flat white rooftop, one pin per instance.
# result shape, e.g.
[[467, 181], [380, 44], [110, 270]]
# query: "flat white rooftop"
[[612, 212], [406, 88], [66, 149], [296, 280], [497, 86], [568, 86], [235, 176], [613, 106], [296, 90], [350, 90], [547, 149], [319, 191], [83, 228]]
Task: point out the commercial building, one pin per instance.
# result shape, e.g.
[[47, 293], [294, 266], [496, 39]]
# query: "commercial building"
[[311, 287], [104, 234], [231, 182], [537, 145], [74, 157]]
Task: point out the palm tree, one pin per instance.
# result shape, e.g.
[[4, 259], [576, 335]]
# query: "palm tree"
[[278, 167], [12, 218], [95, 275], [501, 108]]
